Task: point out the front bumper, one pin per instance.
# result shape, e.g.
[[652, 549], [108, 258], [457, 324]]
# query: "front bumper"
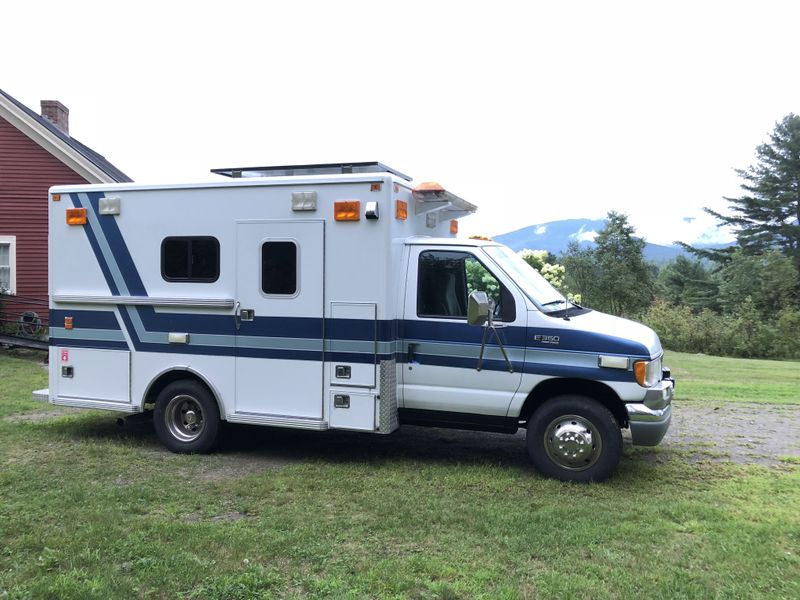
[[649, 420]]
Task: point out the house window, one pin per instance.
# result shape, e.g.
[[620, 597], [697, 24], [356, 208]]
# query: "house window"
[[279, 268], [8, 264], [190, 259]]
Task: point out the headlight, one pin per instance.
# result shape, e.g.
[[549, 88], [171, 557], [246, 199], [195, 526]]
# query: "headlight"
[[647, 372]]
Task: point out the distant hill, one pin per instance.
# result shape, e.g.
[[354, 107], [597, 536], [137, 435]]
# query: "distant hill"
[[556, 235]]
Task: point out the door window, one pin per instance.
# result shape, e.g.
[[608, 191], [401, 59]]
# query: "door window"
[[279, 268], [445, 280]]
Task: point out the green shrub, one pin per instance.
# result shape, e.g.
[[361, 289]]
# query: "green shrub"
[[745, 333]]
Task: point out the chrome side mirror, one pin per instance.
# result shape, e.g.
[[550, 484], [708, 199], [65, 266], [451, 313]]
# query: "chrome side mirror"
[[478, 308]]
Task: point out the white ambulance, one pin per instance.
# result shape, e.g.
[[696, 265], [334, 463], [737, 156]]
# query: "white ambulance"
[[333, 297]]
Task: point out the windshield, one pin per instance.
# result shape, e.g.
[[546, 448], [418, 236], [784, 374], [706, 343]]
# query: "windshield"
[[536, 287]]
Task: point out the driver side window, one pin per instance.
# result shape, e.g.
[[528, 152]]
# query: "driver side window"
[[445, 280]]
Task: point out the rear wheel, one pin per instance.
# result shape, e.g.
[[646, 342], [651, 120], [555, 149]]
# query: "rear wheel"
[[574, 438], [186, 417]]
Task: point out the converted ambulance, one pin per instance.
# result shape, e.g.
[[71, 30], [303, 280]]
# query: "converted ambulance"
[[333, 297]]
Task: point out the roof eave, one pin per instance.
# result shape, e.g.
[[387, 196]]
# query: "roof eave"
[[58, 148]]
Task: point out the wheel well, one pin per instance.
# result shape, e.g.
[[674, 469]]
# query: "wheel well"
[[163, 380], [584, 387]]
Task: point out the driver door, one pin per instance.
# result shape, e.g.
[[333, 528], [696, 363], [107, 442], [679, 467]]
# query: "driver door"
[[442, 350]]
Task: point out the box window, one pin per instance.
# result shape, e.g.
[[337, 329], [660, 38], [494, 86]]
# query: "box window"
[[190, 259], [8, 259], [279, 268]]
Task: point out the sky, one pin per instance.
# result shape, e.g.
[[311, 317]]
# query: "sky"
[[535, 111]]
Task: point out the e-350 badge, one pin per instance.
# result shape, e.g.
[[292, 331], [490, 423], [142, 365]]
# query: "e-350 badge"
[[547, 339]]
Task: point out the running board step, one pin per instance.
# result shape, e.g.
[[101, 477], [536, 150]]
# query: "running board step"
[[279, 421]]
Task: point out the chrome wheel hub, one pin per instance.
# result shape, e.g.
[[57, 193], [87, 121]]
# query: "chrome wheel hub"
[[184, 418], [572, 442]]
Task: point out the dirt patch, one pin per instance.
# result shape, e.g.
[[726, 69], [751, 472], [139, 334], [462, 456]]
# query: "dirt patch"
[[233, 466], [741, 433], [41, 416]]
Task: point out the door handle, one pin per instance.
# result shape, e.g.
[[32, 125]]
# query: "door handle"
[[411, 354], [243, 314]]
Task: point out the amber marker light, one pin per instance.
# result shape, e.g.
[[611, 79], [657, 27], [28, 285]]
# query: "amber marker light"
[[76, 216], [56, 197], [401, 210], [454, 227], [347, 210], [67, 322]]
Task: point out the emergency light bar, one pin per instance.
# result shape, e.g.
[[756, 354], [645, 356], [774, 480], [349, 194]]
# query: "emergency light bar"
[[431, 197]]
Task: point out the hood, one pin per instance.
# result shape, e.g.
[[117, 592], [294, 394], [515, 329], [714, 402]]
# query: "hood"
[[594, 331]]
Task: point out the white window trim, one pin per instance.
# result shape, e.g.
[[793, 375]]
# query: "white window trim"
[[11, 240]]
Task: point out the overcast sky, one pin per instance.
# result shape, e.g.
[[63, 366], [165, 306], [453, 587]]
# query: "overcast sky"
[[534, 111]]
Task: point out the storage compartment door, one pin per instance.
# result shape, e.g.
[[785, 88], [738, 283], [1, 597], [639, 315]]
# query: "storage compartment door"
[[352, 410], [93, 374]]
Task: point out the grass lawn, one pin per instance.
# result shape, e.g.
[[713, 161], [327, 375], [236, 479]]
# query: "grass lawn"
[[717, 379], [88, 510]]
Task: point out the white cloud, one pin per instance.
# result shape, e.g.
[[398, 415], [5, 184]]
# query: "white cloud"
[[584, 235], [541, 229]]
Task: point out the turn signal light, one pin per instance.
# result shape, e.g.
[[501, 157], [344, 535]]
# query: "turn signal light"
[[347, 210], [76, 216], [401, 210], [454, 227]]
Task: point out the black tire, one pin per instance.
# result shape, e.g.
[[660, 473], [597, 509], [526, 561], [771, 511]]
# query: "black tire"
[[186, 417], [574, 438]]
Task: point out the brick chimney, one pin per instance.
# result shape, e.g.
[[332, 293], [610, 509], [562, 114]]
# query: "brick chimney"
[[57, 114]]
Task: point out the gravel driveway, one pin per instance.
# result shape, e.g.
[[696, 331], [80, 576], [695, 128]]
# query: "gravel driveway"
[[742, 433]]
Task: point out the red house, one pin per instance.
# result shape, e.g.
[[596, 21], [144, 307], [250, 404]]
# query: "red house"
[[36, 152]]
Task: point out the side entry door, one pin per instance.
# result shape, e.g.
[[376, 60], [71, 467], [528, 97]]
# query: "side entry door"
[[442, 350], [279, 318]]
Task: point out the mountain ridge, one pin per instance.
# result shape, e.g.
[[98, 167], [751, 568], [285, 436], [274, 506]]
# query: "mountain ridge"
[[555, 236]]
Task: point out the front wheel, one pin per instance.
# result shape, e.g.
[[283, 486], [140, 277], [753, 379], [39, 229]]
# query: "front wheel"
[[186, 417], [574, 438]]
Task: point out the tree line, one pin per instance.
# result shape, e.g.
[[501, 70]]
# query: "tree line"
[[742, 300]]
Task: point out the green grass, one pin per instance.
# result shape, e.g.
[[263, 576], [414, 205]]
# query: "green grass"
[[88, 510], [717, 379]]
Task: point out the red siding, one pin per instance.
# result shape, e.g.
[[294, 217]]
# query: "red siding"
[[26, 173]]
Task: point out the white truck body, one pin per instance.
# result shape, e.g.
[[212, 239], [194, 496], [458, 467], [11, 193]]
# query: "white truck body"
[[292, 318]]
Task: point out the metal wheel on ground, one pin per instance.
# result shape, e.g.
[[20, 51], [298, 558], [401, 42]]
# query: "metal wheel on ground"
[[186, 417], [574, 438]]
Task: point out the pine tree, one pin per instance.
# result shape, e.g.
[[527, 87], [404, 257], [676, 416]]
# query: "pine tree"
[[613, 276], [767, 216], [625, 278]]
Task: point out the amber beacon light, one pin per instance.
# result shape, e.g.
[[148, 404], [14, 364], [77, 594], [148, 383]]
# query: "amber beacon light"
[[401, 210], [347, 210], [76, 216]]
